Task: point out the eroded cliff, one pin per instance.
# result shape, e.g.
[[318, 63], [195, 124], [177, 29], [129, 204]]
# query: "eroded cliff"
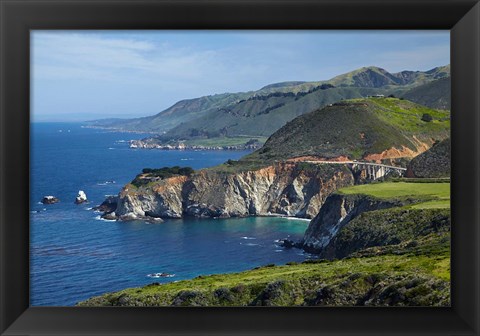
[[292, 189], [338, 211]]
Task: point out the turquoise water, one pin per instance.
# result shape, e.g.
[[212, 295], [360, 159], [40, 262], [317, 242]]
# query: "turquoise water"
[[76, 255]]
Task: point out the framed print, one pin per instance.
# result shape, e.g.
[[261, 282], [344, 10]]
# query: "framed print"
[[228, 167]]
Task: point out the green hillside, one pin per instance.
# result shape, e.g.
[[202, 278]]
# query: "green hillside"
[[377, 77], [263, 115], [178, 113], [436, 94], [356, 128]]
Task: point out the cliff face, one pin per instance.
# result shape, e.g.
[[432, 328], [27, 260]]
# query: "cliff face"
[[338, 211], [293, 189], [380, 232]]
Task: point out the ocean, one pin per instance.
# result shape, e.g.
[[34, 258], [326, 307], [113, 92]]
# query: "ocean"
[[75, 255]]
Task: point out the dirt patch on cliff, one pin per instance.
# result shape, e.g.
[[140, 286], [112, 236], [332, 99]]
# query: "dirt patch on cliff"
[[395, 153], [170, 182]]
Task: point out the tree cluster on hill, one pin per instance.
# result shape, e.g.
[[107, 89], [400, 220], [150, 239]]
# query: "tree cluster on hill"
[[149, 174], [166, 172]]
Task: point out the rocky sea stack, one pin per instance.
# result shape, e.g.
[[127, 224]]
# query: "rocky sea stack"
[[50, 200], [81, 197]]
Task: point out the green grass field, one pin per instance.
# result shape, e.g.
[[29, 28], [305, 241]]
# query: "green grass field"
[[430, 195], [406, 115]]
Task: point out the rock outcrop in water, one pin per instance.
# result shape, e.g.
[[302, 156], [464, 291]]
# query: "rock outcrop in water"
[[81, 197], [291, 189], [50, 200]]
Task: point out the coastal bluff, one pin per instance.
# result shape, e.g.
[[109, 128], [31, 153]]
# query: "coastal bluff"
[[285, 188]]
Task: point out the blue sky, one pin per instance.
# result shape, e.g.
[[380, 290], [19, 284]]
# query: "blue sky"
[[82, 75]]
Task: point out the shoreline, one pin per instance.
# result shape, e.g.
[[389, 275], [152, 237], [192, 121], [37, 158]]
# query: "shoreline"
[[115, 130]]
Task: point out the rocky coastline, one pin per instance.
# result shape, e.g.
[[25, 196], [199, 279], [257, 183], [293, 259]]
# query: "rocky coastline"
[[151, 144], [286, 189]]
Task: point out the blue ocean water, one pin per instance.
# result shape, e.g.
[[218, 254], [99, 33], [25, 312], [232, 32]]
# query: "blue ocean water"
[[75, 255]]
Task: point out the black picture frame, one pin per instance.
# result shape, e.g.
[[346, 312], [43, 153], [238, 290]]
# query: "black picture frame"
[[18, 17]]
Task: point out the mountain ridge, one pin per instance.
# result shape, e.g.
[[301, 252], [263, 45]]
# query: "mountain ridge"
[[369, 80]]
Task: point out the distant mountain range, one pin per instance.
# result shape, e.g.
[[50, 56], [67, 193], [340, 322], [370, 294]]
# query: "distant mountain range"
[[262, 112]]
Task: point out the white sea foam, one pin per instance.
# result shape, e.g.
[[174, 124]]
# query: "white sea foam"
[[298, 219], [248, 238], [160, 275], [103, 219]]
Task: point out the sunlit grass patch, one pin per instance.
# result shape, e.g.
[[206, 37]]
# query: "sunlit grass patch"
[[391, 190]]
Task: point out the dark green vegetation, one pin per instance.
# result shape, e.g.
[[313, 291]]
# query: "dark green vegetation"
[[150, 175], [434, 163], [434, 95], [422, 218], [355, 128], [398, 226], [260, 113]]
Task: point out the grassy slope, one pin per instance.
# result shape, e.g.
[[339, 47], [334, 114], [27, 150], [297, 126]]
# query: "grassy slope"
[[413, 269], [435, 94], [260, 118], [355, 128], [389, 190], [428, 195], [182, 111]]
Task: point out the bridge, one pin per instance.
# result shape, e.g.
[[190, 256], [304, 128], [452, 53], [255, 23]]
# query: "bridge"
[[367, 170]]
